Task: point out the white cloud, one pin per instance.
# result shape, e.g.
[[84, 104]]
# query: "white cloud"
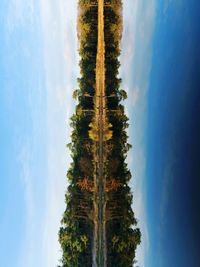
[[50, 107], [19, 14], [135, 96], [32, 152], [27, 181], [26, 178], [137, 39], [137, 36], [61, 71], [140, 211]]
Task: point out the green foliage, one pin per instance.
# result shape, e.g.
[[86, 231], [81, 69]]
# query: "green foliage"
[[76, 233]]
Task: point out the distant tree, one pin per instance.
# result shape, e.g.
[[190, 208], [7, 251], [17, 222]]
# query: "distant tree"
[[77, 230]]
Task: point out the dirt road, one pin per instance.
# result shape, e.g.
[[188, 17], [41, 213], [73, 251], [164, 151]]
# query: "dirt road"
[[100, 121]]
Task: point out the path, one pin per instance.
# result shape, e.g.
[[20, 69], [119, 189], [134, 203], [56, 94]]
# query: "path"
[[100, 119]]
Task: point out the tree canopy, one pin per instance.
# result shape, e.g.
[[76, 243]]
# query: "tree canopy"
[[76, 233]]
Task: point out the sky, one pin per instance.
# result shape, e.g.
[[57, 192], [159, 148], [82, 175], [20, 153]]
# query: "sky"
[[38, 73], [160, 71], [173, 127]]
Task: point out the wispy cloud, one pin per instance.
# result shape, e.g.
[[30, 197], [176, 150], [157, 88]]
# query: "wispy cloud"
[[25, 259], [49, 106], [61, 71], [19, 13], [139, 19], [135, 96]]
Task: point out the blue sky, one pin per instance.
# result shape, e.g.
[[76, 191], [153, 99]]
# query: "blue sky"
[[38, 71], [173, 129], [37, 77]]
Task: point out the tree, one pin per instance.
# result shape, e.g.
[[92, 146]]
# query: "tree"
[[77, 231]]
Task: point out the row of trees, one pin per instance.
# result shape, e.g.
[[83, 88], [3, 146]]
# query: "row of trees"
[[76, 233], [122, 234]]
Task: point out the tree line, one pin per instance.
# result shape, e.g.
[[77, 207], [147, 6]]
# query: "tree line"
[[76, 232]]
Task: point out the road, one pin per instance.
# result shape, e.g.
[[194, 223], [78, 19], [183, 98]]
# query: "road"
[[100, 121]]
